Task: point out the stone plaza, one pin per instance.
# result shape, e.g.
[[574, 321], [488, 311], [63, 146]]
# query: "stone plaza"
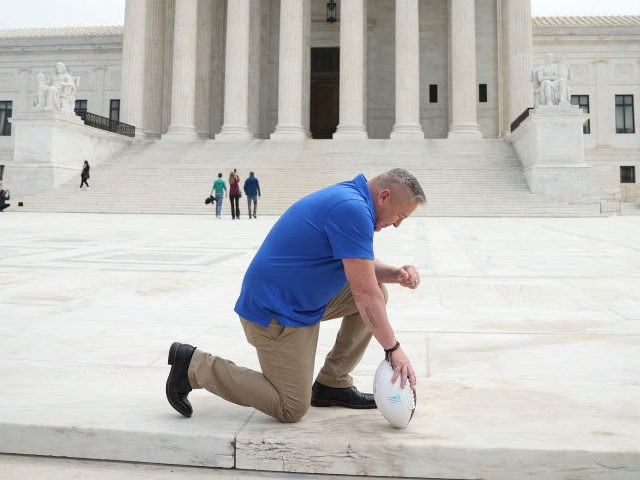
[[524, 334]]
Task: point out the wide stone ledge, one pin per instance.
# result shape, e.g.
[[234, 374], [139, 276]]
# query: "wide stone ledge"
[[111, 413], [463, 429]]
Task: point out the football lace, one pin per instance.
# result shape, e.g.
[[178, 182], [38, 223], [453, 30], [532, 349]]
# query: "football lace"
[[412, 399]]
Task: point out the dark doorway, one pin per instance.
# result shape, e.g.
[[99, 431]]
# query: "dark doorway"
[[325, 91]]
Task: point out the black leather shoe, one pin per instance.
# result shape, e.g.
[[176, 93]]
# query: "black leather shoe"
[[349, 397], [178, 386]]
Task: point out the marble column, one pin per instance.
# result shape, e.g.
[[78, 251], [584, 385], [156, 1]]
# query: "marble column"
[[167, 46], [462, 62], [604, 123], [183, 79], [255, 71], [516, 23], [23, 102], [407, 71], [353, 70], [217, 65], [133, 63], [155, 70], [205, 47], [100, 105], [236, 75], [293, 71]]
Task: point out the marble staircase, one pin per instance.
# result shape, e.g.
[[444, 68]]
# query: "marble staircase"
[[481, 178], [629, 208]]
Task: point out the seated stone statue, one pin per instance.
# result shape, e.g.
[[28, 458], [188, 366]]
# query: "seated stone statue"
[[58, 93], [550, 83]]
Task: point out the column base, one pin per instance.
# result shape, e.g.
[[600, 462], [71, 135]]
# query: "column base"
[[181, 133], [290, 132], [407, 131], [469, 131], [147, 135], [234, 133], [142, 134], [351, 132], [202, 135]]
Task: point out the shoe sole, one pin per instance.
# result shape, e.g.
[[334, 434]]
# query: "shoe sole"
[[335, 403], [171, 360]]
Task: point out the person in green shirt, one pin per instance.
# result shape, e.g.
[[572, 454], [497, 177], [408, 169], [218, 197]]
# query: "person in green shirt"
[[221, 191]]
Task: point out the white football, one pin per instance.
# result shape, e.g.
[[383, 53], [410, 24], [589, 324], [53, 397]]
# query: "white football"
[[396, 404]]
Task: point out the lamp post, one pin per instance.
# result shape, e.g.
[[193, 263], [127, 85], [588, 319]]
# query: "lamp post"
[[331, 11]]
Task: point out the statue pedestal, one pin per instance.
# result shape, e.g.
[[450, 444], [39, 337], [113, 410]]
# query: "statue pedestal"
[[550, 145], [49, 148]]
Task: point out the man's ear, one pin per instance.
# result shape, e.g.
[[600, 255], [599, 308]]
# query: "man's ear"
[[384, 194]]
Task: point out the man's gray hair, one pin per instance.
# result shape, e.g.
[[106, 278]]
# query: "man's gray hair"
[[399, 176]]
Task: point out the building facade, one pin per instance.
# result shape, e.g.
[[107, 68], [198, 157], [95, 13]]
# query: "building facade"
[[278, 69], [604, 54]]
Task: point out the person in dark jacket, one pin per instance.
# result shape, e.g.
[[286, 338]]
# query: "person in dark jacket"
[[4, 196], [252, 191], [85, 174]]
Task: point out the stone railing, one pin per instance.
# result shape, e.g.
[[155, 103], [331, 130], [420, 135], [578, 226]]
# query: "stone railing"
[[609, 206], [104, 123], [521, 118], [630, 192]]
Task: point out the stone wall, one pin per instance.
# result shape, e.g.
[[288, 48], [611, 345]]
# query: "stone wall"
[[605, 61]]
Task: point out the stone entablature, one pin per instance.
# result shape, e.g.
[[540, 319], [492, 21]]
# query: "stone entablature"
[[90, 31], [587, 21]]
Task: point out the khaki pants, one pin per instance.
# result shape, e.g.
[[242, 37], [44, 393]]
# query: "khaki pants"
[[286, 355]]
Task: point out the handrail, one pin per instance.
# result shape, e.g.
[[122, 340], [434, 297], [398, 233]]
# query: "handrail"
[[521, 118], [104, 123]]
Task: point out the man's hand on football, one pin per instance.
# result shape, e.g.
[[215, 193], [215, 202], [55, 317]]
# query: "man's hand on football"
[[402, 368]]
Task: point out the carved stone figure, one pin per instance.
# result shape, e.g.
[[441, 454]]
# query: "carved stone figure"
[[40, 100], [550, 82], [58, 92]]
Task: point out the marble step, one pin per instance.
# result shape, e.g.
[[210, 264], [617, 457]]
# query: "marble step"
[[481, 179]]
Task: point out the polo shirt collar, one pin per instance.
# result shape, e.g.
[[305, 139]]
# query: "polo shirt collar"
[[362, 186]]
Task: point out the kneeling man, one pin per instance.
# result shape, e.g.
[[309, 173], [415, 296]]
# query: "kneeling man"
[[316, 263]]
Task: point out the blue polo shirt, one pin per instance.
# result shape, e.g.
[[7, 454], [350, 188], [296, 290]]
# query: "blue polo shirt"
[[298, 269]]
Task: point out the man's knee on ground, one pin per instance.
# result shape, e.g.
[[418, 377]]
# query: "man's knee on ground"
[[292, 411]]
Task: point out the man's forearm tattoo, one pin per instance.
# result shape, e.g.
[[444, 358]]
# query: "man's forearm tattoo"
[[370, 318]]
